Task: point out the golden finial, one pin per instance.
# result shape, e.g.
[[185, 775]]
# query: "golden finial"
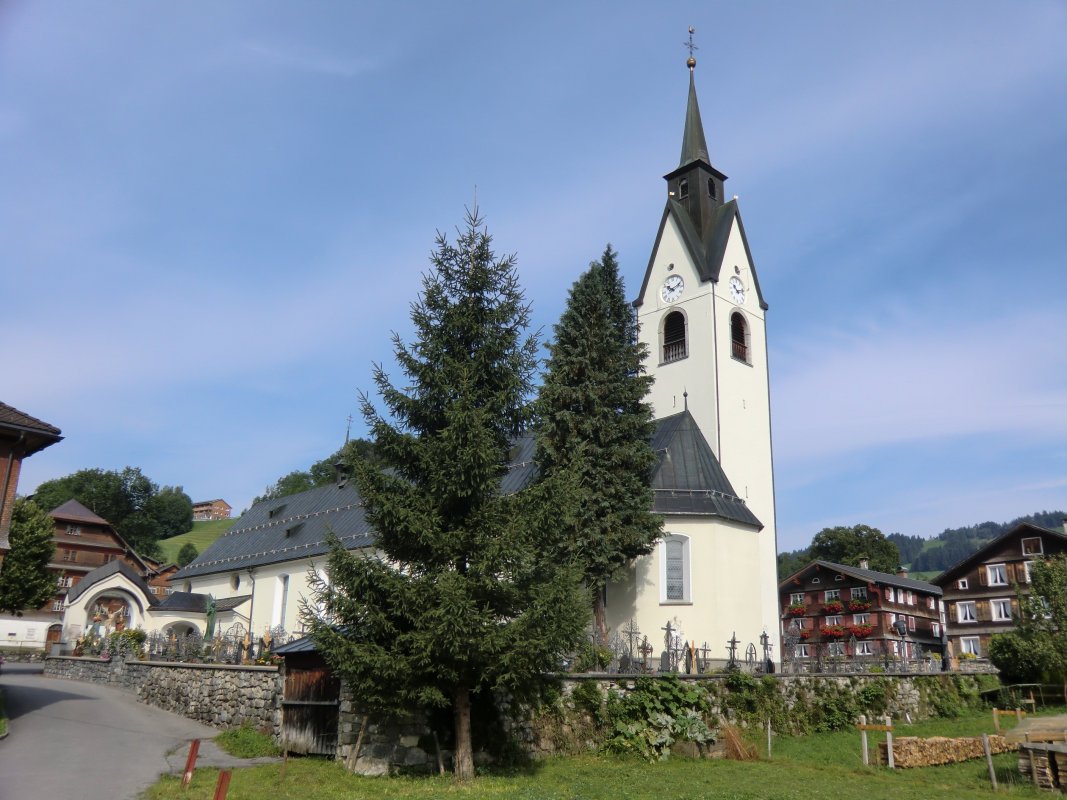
[[691, 62]]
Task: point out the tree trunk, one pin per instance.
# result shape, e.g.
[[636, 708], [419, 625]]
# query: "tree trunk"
[[463, 757], [600, 621]]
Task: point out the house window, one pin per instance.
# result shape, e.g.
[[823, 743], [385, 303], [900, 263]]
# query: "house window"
[[863, 648], [836, 648], [1026, 569], [802, 651], [65, 581], [961, 583], [235, 581], [683, 188], [833, 594], [965, 611], [1001, 609], [969, 644], [674, 337], [1032, 547], [911, 598], [996, 575], [796, 599], [739, 337], [930, 603], [889, 595], [833, 620], [675, 573], [70, 555], [109, 558], [911, 623], [861, 619], [57, 605], [283, 599], [935, 629], [74, 530], [859, 593]]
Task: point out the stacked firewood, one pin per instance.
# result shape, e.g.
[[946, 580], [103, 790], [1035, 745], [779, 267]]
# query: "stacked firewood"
[[913, 751], [1043, 763]]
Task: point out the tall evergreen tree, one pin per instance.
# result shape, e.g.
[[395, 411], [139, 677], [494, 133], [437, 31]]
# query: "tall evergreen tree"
[[594, 421], [25, 582], [466, 597]]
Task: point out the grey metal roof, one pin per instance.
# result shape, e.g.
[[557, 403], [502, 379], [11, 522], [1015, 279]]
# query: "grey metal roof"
[[106, 571], [230, 603], [688, 478], [869, 575], [184, 601], [284, 529], [304, 644]]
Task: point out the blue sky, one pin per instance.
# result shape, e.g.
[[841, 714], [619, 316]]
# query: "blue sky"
[[213, 214]]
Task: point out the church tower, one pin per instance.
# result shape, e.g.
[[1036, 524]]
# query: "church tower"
[[702, 317]]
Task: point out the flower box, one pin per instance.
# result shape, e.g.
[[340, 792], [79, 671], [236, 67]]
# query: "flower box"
[[795, 610], [834, 607], [832, 632], [859, 605], [861, 631]]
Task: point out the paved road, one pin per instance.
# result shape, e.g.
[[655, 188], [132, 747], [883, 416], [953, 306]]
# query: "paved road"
[[81, 740]]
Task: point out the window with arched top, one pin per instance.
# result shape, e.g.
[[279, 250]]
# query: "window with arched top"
[[739, 337], [683, 188], [674, 337], [674, 573]]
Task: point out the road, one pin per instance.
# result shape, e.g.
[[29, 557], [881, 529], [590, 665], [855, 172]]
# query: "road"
[[81, 740]]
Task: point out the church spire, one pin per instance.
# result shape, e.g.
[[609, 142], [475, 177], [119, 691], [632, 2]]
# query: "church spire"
[[695, 183]]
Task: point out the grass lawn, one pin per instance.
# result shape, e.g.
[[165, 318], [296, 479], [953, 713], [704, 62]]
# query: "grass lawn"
[[202, 535], [821, 767]]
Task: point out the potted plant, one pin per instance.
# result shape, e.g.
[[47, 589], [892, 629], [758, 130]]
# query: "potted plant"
[[861, 631], [796, 610], [859, 604], [832, 632], [834, 607]]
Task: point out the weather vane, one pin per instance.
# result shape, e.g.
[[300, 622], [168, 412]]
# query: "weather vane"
[[691, 62]]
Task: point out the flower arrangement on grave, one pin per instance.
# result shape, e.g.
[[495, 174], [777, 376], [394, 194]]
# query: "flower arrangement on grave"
[[861, 631], [832, 631], [833, 607], [859, 604], [796, 610]]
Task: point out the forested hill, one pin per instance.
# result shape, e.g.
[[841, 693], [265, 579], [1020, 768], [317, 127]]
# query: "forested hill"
[[938, 553]]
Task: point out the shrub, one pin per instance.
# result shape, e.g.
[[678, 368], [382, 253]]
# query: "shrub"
[[247, 742], [655, 714]]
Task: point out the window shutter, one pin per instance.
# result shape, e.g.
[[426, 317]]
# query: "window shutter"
[[983, 576]]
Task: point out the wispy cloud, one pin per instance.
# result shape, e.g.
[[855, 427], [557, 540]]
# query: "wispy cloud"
[[304, 59]]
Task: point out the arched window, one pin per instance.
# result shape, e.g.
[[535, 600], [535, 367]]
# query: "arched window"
[[683, 188], [281, 600], [739, 337], [711, 188], [674, 337], [675, 570]]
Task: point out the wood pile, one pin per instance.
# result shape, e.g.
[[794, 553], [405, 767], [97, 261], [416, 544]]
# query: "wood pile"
[[913, 751], [1044, 764]]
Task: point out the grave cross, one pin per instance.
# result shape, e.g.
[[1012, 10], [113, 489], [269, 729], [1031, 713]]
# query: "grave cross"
[[733, 643]]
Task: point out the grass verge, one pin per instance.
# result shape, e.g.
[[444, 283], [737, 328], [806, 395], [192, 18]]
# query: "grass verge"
[[820, 767], [247, 742], [3, 715]]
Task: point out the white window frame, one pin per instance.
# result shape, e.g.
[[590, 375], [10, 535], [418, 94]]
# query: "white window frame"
[[962, 584], [686, 553], [281, 600], [1001, 573], [802, 651], [833, 620], [911, 624], [831, 594], [1031, 552], [74, 530], [859, 592], [836, 649], [861, 619], [1027, 565], [796, 599], [57, 605], [966, 612], [890, 595], [911, 597], [970, 644], [935, 629], [1001, 609], [864, 648]]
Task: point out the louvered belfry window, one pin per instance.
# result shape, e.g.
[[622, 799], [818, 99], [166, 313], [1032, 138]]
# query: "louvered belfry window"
[[674, 347]]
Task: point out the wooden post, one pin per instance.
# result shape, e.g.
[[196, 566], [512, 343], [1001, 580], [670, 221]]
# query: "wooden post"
[[889, 742], [996, 721], [989, 761], [863, 740], [353, 754], [1018, 714], [768, 737], [223, 785], [190, 762]]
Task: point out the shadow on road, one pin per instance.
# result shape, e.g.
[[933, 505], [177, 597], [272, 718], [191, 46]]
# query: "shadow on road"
[[21, 697]]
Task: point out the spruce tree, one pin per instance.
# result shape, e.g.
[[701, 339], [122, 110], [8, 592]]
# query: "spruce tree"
[[25, 582], [465, 596], [594, 420]]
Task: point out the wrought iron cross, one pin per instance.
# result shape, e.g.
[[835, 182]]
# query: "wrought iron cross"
[[733, 643], [692, 62]]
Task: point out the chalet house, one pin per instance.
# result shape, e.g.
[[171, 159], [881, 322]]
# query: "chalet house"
[[20, 437], [837, 610], [211, 509], [980, 591]]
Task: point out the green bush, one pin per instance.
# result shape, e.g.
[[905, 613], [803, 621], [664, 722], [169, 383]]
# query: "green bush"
[[587, 697], [655, 714]]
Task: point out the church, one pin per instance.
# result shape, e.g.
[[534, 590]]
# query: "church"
[[712, 577]]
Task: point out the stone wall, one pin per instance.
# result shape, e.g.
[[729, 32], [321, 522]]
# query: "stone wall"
[[216, 694], [387, 745]]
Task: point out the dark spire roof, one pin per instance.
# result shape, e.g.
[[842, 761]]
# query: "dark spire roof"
[[694, 145]]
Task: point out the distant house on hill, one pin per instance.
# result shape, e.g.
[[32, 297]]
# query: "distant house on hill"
[[211, 509], [838, 610], [980, 590]]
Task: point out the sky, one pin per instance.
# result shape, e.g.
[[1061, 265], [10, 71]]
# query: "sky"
[[213, 215]]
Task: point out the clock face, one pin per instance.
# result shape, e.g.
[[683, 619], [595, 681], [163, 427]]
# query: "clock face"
[[737, 290], [672, 288]]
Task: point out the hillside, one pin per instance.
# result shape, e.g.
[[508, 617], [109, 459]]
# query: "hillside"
[[202, 535]]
